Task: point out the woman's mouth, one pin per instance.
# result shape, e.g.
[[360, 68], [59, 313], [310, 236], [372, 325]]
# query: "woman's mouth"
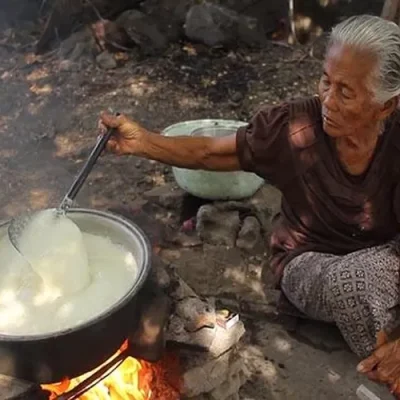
[[329, 122]]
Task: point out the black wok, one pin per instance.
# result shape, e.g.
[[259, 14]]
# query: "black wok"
[[73, 352]]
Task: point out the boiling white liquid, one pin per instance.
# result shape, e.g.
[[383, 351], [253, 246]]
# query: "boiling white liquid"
[[65, 278]]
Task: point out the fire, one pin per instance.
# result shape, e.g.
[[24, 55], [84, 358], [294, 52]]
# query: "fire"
[[132, 380]]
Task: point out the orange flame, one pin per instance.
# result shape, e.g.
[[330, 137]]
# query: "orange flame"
[[132, 380]]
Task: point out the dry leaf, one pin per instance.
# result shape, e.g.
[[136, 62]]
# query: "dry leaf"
[[31, 58], [46, 89], [190, 50], [121, 56]]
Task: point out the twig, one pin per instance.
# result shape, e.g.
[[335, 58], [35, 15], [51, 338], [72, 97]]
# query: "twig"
[[291, 19], [282, 44], [42, 6], [96, 11]]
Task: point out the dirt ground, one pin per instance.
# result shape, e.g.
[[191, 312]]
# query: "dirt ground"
[[48, 117]]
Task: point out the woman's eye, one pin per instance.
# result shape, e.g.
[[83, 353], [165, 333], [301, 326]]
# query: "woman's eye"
[[346, 93], [325, 82]]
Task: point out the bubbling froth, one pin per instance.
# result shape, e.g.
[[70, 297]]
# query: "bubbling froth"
[[66, 277]]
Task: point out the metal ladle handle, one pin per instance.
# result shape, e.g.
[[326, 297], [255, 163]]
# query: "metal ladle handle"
[[86, 169]]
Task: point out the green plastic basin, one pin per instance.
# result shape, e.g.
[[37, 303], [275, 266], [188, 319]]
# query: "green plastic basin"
[[213, 185]]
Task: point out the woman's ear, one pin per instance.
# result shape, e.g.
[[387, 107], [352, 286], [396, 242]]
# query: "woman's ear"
[[388, 107]]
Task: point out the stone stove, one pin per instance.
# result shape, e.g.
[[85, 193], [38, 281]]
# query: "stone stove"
[[187, 325], [205, 337], [207, 343]]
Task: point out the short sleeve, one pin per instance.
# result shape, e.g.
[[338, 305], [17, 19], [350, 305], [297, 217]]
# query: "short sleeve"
[[263, 145]]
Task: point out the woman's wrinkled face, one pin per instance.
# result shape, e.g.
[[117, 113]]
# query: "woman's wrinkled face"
[[348, 105]]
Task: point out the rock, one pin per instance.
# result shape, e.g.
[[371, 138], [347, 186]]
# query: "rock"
[[249, 236], [169, 196], [215, 25], [159, 273], [138, 204], [237, 97], [230, 388], [178, 335], [170, 255], [78, 47], [106, 60], [148, 341], [195, 313], [179, 288], [67, 47], [111, 36], [229, 303], [207, 377], [266, 204], [254, 270], [225, 339], [175, 9], [209, 24], [144, 31], [270, 15], [169, 14], [216, 227], [184, 240], [68, 66], [250, 32]]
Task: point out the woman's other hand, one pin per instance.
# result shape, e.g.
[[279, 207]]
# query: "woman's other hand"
[[383, 365]]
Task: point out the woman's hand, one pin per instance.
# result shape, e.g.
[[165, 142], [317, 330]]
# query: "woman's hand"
[[383, 365], [128, 137]]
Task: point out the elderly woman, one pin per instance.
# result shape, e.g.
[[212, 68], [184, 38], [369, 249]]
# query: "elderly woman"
[[336, 159]]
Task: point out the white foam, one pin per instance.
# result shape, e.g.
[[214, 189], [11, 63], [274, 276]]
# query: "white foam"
[[71, 277]]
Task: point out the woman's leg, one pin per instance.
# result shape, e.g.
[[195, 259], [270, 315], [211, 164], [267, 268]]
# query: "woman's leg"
[[359, 292]]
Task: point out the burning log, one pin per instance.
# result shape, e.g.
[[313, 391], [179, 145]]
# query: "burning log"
[[133, 379]]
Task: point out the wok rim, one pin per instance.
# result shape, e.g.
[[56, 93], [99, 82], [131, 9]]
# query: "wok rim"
[[144, 271]]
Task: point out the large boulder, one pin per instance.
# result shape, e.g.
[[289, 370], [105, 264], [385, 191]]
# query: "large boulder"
[[17, 12], [216, 25], [169, 14], [269, 14], [143, 30]]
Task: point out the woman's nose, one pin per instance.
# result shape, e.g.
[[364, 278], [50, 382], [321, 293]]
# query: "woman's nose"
[[329, 100]]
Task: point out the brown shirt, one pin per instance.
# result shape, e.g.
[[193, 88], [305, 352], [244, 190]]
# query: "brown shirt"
[[323, 207]]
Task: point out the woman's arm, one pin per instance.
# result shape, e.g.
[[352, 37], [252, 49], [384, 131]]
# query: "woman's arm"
[[214, 154]]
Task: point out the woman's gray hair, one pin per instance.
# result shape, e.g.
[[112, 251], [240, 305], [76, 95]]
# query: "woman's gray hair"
[[382, 39]]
